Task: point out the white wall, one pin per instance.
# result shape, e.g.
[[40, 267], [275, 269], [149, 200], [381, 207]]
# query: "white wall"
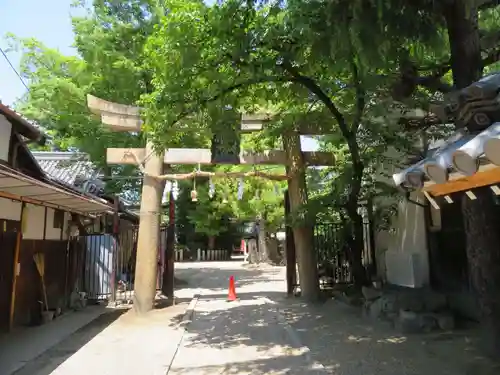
[[10, 210], [35, 218], [34, 224], [52, 233], [5, 135], [403, 254]]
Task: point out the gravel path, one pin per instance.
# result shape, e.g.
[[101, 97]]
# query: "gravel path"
[[348, 344]]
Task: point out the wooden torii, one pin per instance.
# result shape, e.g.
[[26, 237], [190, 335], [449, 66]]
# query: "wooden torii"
[[126, 118]]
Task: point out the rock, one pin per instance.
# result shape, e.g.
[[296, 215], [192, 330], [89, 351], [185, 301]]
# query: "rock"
[[410, 302], [434, 302], [446, 321], [375, 309], [370, 293], [428, 322], [409, 322]]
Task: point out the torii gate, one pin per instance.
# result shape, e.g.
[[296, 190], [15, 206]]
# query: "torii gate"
[[125, 118]]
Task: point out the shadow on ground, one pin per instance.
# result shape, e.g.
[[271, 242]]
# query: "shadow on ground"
[[246, 337], [345, 342], [338, 336], [51, 359]]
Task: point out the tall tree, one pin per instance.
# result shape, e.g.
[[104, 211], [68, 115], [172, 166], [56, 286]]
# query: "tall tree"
[[281, 59]]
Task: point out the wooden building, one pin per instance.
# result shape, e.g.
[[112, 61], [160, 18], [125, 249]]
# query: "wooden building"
[[37, 215]]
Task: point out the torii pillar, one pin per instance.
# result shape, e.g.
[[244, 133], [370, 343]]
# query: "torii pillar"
[[124, 118]]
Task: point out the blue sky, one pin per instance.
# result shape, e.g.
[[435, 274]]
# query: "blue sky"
[[48, 21]]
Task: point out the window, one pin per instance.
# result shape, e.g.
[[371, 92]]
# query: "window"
[[58, 219]]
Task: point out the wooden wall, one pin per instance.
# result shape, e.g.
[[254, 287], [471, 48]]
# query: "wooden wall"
[[29, 286]]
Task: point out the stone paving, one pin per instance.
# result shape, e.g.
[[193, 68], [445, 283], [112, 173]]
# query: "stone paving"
[[262, 333], [116, 343], [241, 337]]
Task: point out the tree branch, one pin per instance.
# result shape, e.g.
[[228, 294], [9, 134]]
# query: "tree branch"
[[486, 4], [489, 45], [492, 57], [434, 83], [313, 87], [360, 91], [204, 101]]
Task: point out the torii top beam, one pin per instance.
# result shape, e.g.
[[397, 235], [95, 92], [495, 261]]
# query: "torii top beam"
[[122, 118]]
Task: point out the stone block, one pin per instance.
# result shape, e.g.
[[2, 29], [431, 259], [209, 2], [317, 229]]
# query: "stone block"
[[411, 302], [408, 322], [370, 293], [434, 302], [446, 321], [428, 322], [375, 309]]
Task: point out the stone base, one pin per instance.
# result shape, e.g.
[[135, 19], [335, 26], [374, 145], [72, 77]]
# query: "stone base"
[[410, 311]]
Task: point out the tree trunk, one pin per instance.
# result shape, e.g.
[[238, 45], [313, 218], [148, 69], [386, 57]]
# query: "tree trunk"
[[211, 242], [356, 244], [482, 224], [480, 215], [262, 238], [302, 229], [356, 247]]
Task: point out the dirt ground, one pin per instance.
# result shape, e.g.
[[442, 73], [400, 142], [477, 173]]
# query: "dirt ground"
[[347, 343]]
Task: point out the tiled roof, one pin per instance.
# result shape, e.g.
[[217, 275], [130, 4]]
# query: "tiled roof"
[[67, 167], [461, 155], [21, 124]]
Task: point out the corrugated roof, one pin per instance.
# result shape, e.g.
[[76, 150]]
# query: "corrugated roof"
[[67, 167], [47, 193], [460, 156]]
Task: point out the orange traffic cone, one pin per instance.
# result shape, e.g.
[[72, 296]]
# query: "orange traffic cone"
[[232, 290]]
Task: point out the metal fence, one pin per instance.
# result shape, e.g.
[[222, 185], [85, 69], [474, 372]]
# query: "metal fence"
[[107, 266], [332, 249], [106, 263]]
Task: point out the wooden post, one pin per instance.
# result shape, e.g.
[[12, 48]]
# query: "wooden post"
[[17, 251], [148, 238], [116, 236], [291, 261], [168, 275]]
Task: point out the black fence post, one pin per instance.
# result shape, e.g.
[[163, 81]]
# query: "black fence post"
[[291, 267]]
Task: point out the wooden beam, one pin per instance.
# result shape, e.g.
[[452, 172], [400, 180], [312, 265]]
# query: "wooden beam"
[[486, 178], [254, 122], [17, 251], [121, 123], [99, 106], [195, 156]]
